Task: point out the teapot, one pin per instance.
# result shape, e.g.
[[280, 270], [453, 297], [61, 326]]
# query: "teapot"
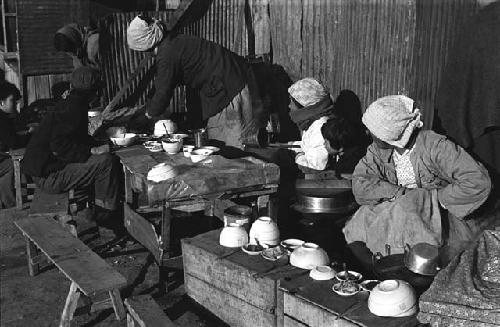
[[422, 259]]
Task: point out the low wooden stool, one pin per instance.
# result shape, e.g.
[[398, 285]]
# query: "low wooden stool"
[[17, 155], [143, 311], [90, 275]]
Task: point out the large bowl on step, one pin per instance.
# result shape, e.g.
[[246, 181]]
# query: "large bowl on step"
[[393, 298]]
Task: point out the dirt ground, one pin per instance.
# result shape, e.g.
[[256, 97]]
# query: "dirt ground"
[[38, 301]]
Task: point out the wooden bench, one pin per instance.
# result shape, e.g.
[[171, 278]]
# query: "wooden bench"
[[17, 155], [143, 311], [89, 273]]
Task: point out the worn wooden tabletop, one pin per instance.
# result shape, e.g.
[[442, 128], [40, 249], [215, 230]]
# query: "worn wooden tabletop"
[[216, 174]]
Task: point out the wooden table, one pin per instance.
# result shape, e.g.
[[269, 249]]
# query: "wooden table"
[[240, 289], [208, 186], [310, 303]]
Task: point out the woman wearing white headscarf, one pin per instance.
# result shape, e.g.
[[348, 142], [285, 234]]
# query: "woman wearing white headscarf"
[[226, 87], [407, 180]]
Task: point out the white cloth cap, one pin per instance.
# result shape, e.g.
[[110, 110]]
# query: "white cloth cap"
[[392, 119], [142, 36], [307, 91]]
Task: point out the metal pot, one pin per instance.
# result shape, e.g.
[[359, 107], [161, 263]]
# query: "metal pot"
[[422, 258], [335, 202]]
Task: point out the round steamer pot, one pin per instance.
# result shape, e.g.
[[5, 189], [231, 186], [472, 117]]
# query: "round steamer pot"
[[320, 201]]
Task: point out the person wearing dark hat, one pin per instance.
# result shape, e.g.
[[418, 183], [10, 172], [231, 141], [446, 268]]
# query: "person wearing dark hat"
[[62, 156], [81, 43]]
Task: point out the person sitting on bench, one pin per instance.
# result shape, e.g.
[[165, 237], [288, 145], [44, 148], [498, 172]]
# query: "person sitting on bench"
[[9, 140], [62, 156]]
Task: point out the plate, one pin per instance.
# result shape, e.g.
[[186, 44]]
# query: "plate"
[[369, 284], [212, 148], [353, 276], [337, 288], [252, 249], [273, 254]]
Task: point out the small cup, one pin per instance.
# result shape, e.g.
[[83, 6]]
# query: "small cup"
[[187, 149]]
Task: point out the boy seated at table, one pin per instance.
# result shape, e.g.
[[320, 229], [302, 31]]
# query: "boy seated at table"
[[62, 156], [9, 140], [408, 179]]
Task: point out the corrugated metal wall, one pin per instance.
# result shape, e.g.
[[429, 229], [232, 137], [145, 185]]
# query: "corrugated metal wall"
[[223, 23], [372, 47], [38, 20]]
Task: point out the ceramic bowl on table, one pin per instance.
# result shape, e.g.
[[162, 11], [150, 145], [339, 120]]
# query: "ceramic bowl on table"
[[233, 236], [126, 140], [171, 146], [322, 273], [198, 155], [161, 172], [187, 149], [308, 256], [392, 298], [252, 249], [163, 127], [264, 231], [116, 131]]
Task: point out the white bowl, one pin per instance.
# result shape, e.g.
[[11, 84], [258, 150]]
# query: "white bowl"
[[392, 298], [309, 256], [233, 236], [171, 146], [322, 273], [200, 154], [264, 231], [161, 172], [127, 140], [187, 149]]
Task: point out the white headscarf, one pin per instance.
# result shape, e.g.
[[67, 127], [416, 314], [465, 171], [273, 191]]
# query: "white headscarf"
[[142, 36], [307, 91], [392, 119]]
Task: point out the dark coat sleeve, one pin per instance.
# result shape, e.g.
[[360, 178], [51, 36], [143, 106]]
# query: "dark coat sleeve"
[[9, 139], [165, 83], [63, 143]]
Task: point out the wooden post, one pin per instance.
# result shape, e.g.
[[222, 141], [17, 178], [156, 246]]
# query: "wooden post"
[[17, 183], [70, 306], [130, 321], [31, 253], [117, 304], [164, 245]]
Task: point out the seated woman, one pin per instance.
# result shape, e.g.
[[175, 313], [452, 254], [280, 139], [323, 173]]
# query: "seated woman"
[[310, 108], [9, 140], [407, 180]]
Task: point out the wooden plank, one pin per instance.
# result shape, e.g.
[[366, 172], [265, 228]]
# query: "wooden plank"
[[232, 310], [327, 184], [290, 322], [17, 184], [44, 203], [117, 303], [234, 274], [82, 266], [146, 312], [141, 230]]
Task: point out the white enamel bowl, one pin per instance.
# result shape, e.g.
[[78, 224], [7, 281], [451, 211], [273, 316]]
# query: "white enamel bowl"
[[233, 236], [171, 146], [308, 256], [322, 273], [392, 298]]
